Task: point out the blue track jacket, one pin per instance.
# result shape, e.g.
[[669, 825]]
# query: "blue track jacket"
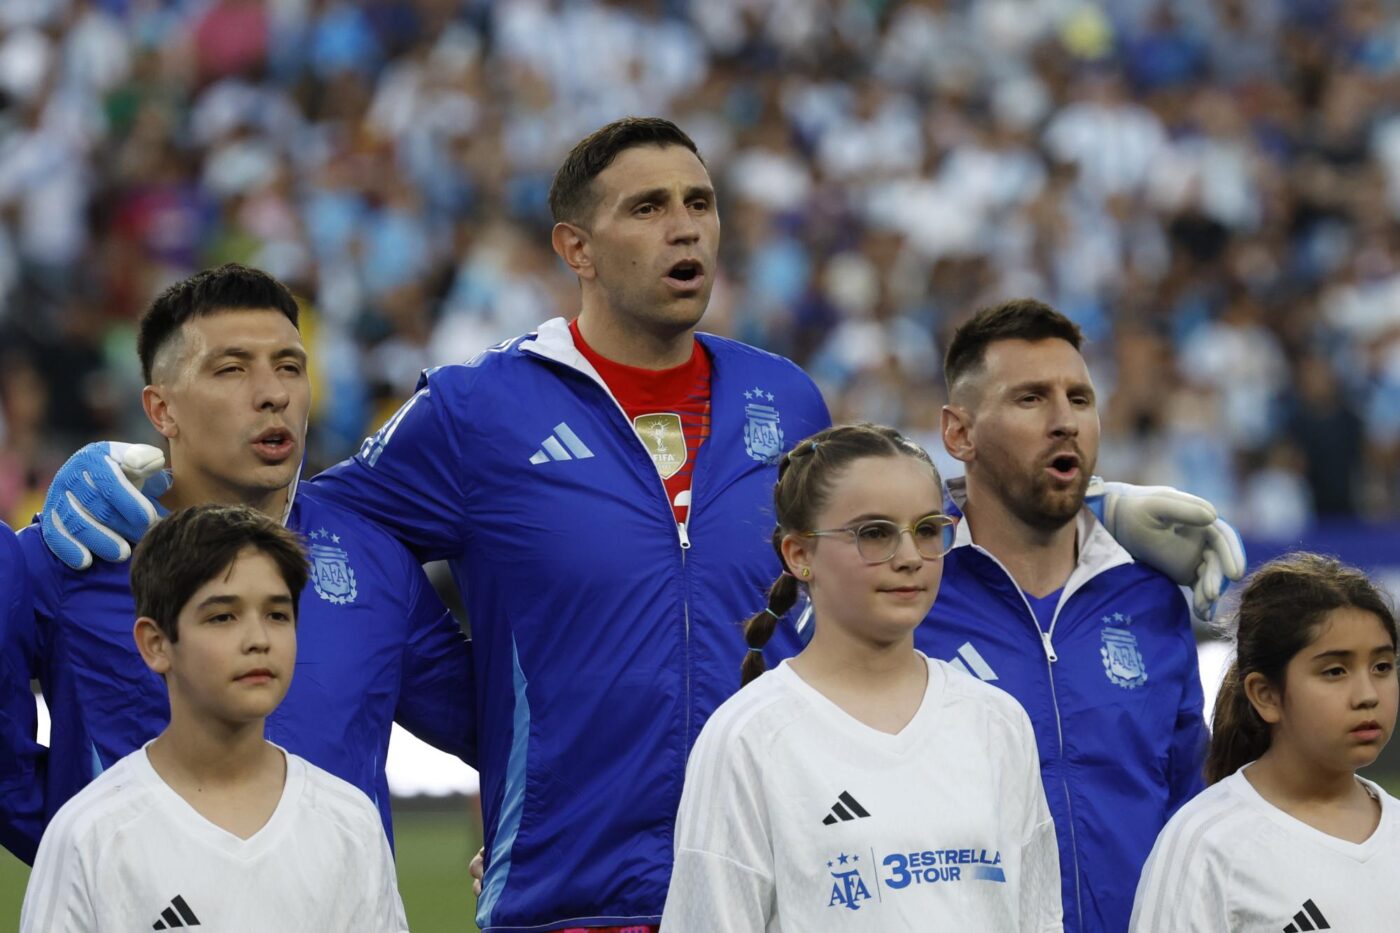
[[21, 820], [604, 634], [375, 645], [1113, 690]]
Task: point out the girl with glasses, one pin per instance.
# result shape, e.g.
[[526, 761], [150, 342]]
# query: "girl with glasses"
[[862, 785], [1288, 837]]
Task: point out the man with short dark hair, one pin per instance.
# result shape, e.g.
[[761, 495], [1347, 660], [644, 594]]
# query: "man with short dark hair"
[[598, 487], [602, 490], [209, 824], [1039, 600], [229, 391]]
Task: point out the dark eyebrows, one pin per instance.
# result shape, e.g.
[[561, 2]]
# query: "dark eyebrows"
[[644, 197], [1344, 655], [658, 195], [1042, 387], [240, 353], [229, 599]]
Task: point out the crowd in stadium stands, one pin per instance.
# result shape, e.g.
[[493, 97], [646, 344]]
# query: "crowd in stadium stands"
[[1211, 188]]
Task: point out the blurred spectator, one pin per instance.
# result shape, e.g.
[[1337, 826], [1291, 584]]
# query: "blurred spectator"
[[1211, 189]]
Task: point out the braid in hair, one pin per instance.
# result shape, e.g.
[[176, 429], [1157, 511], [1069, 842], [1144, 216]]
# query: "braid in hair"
[[782, 595], [804, 477]]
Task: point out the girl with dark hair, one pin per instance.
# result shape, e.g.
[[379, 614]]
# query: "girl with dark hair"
[[1289, 837], [861, 785]]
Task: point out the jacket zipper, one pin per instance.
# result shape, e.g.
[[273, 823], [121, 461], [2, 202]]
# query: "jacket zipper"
[[682, 528], [1051, 657]]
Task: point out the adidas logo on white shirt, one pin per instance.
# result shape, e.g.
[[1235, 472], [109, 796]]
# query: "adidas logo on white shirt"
[[970, 661], [177, 915], [846, 808], [563, 444], [1309, 918]]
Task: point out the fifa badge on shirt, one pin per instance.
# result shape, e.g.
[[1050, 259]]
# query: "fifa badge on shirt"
[[664, 439], [763, 434], [331, 574], [1122, 661]]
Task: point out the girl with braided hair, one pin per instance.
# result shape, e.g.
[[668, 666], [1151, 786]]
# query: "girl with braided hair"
[[862, 785], [1288, 837]]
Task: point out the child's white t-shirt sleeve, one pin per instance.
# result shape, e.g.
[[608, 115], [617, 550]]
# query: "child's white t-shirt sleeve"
[[57, 899], [723, 873], [1041, 908], [381, 907], [1181, 889]]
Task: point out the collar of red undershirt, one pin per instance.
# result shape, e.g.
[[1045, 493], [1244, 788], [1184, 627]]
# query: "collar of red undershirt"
[[644, 387]]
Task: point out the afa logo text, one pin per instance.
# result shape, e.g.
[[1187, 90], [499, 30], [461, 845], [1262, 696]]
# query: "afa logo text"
[[848, 887], [1122, 660], [763, 432], [332, 577]]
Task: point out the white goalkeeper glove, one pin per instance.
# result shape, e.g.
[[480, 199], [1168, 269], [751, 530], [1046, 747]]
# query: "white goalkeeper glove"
[[1175, 532]]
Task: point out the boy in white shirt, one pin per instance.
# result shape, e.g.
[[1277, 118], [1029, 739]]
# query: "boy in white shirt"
[[209, 824]]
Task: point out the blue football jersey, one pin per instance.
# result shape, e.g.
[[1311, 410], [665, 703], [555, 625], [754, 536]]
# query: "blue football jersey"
[[21, 759], [604, 633], [1113, 690]]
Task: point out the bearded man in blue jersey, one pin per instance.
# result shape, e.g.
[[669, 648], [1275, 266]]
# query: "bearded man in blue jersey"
[[228, 388], [1039, 600], [601, 489]]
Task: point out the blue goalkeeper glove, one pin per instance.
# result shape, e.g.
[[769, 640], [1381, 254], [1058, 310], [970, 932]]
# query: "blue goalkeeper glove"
[[1175, 532], [103, 497]]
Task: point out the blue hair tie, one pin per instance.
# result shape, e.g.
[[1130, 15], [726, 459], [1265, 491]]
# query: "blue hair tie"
[[772, 613], [758, 651]]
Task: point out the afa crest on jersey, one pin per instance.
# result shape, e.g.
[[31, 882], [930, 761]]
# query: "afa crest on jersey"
[[1122, 661], [331, 574], [763, 432], [848, 887]]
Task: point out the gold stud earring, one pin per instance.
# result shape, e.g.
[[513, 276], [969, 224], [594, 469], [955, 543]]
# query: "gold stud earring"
[[806, 572]]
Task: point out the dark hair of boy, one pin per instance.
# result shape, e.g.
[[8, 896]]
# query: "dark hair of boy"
[[1021, 319], [1280, 610], [572, 197], [192, 546], [805, 477], [230, 287]]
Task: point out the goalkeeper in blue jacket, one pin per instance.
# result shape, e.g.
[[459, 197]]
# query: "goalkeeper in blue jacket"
[[600, 488]]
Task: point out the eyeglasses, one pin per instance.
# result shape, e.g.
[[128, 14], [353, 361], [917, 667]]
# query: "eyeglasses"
[[877, 540]]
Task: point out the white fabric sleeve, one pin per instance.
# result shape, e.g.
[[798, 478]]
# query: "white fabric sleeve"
[[57, 899], [381, 909], [1041, 908], [723, 874], [1180, 863]]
